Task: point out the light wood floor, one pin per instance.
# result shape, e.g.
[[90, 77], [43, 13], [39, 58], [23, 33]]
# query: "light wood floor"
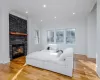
[[84, 69]]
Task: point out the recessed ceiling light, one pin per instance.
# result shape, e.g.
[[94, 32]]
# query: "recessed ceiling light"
[[44, 6], [41, 20], [26, 12], [55, 17], [73, 13]]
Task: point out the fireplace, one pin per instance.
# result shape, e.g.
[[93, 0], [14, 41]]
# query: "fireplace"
[[17, 36], [18, 50]]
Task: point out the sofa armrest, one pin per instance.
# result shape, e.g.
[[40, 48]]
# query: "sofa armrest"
[[69, 62]]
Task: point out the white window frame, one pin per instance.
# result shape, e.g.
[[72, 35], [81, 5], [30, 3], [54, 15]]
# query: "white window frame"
[[66, 36], [63, 36], [37, 37], [54, 37]]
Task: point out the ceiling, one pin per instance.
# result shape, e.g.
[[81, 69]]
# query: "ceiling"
[[62, 9]]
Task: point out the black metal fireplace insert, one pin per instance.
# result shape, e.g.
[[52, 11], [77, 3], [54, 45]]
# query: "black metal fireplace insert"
[[18, 50]]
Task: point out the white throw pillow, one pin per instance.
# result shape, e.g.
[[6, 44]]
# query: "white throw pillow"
[[52, 47], [66, 53], [59, 53]]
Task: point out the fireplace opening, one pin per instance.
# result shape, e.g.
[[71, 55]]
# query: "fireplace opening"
[[18, 50]]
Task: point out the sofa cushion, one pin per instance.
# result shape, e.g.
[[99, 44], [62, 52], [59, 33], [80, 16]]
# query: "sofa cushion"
[[66, 53]]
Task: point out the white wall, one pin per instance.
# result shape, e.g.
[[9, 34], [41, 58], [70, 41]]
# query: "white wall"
[[98, 38], [91, 33], [32, 47], [79, 24], [4, 34], [19, 15], [81, 40]]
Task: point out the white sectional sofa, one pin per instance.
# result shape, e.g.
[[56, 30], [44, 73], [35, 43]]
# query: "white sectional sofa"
[[49, 60]]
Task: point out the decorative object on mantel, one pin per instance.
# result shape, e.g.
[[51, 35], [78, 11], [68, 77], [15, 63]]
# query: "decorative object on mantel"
[[17, 33]]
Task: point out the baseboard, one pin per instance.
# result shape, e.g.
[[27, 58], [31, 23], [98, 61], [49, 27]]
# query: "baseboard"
[[89, 56], [80, 53], [4, 62], [98, 70]]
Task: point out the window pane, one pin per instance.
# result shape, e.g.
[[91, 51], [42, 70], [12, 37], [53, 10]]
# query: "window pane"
[[36, 33], [70, 36], [36, 36], [60, 36], [50, 36]]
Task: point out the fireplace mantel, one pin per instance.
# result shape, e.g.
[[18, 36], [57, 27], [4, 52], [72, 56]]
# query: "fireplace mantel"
[[17, 33]]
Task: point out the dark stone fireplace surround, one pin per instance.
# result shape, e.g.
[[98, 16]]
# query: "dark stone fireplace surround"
[[15, 40], [19, 25]]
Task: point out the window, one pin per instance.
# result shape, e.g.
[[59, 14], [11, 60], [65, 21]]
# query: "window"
[[50, 36], [59, 36], [36, 36], [70, 36]]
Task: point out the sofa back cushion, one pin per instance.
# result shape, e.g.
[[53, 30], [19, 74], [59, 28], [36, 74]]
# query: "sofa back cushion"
[[51, 47]]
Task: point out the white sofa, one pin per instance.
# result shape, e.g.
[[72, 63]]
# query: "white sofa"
[[62, 64]]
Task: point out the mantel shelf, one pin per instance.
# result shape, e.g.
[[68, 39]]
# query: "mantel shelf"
[[18, 34]]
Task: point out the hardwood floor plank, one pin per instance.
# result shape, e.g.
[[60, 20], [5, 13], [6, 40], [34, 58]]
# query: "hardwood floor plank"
[[84, 69]]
